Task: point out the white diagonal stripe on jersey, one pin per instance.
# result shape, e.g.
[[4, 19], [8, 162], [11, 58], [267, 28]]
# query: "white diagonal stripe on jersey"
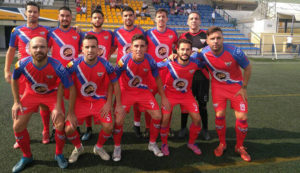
[[175, 73], [28, 74], [59, 38], [154, 36], [23, 34], [81, 74], [122, 38]]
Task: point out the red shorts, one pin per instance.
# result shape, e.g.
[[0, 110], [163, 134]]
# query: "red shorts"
[[222, 93], [30, 102], [145, 100], [187, 103], [84, 108]]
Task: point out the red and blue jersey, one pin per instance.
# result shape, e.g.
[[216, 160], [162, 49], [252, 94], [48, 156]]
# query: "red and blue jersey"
[[160, 44], [92, 81], [225, 68], [21, 36], [123, 39], [133, 75], [42, 80], [179, 78], [105, 42], [65, 44]]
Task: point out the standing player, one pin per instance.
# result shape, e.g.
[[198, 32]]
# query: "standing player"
[[200, 86], [105, 42], [42, 75], [122, 41], [64, 41], [20, 38], [228, 83], [161, 41], [133, 69], [178, 83], [93, 76]]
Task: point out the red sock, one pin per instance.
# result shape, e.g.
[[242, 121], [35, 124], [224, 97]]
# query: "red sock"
[[154, 130], [102, 138], [221, 129], [118, 132], [164, 131], [60, 141], [241, 128], [194, 132], [45, 114], [74, 138], [23, 140], [147, 120], [136, 115], [88, 121]]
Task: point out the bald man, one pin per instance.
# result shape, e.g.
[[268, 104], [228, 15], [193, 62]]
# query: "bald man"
[[42, 74]]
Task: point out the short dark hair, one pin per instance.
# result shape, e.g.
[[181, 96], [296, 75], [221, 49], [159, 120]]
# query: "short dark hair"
[[161, 10], [184, 41], [90, 37], [127, 9], [213, 29], [195, 12], [97, 11], [32, 3], [65, 8], [139, 37]]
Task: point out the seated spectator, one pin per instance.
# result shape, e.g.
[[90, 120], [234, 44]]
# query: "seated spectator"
[[119, 4], [195, 6], [125, 4], [78, 9], [77, 2], [172, 11], [106, 2], [137, 13], [98, 7], [112, 3], [187, 11], [144, 6], [83, 9], [93, 7], [181, 11]]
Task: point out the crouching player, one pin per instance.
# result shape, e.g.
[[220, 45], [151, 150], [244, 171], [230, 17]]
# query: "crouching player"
[[178, 83], [133, 70], [42, 74], [93, 76]]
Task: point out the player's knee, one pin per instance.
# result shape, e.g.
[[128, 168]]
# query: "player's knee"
[[69, 130], [156, 115], [220, 114], [18, 127], [107, 127], [241, 115]]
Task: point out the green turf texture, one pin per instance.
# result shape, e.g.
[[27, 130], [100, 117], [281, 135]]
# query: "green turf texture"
[[273, 139]]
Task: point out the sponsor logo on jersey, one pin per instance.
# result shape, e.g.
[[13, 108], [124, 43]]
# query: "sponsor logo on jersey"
[[202, 41], [42, 33], [192, 71], [170, 36], [74, 37], [228, 63], [145, 69], [105, 37], [99, 73], [50, 76]]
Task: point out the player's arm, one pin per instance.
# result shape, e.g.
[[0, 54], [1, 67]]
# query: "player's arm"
[[57, 111], [15, 91], [164, 101], [8, 61], [71, 114], [105, 110], [119, 110]]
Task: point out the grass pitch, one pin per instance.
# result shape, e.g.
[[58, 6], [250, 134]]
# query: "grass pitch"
[[273, 139]]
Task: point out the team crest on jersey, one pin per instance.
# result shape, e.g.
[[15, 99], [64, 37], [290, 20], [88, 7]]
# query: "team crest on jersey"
[[228, 63], [221, 76], [180, 84], [136, 81], [67, 52], [99, 74], [42, 33], [105, 37], [40, 88], [202, 41], [74, 37], [162, 51], [88, 89], [170, 36], [192, 71], [50, 76], [145, 69]]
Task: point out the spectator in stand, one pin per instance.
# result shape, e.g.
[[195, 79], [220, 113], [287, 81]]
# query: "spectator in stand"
[[78, 9], [119, 4], [181, 11], [187, 11], [181, 2], [171, 3], [83, 9], [77, 2], [93, 7], [112, 4], [98, 7], [107, 2], [155, 2], [144, 6], [172, 11], [137, 13], [213, 17], [195, 6], [125, 5]]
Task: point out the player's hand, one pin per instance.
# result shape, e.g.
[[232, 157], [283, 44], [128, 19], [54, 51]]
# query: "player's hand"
[[172, 57], [57, 112], [14, 110], [7, 76], [71, 117], [119, 110], [105, 110], [243, 93], [165, 103]]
